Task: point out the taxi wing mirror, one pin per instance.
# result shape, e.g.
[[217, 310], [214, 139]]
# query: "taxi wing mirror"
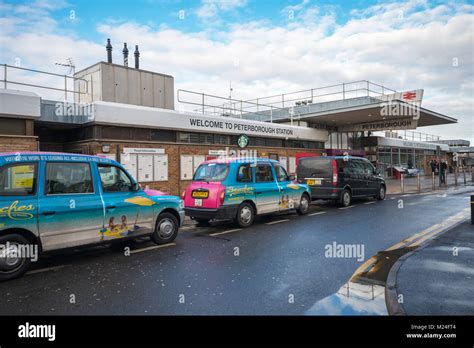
[[136, 186], [292, 178]]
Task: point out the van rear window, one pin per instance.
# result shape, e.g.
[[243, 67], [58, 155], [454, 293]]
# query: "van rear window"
[[308, 167]]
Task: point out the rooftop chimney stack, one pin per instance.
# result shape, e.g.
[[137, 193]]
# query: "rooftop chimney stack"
[[125, 54], [109, 51], [137, 57]]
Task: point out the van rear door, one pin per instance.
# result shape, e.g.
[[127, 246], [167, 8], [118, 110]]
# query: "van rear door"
[[317, 173]]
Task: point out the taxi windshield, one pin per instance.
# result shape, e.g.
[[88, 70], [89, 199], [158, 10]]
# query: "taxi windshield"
[[211, 172]]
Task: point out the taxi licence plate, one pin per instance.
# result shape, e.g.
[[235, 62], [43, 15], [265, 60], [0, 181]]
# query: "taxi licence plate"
[[200, 194]]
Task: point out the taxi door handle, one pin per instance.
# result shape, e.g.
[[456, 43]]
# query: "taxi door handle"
[[110, 207], [49, 212]]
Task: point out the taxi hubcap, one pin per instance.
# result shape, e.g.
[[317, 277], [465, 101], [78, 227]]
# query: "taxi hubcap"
[[304, 203], [246, 215], [9, 257], [166, 228]]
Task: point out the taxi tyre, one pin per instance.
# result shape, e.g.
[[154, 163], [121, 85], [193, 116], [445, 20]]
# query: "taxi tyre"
[[381, 193], [303, 209], [245, 207], [165, 220], [346, 198], [25, 263]]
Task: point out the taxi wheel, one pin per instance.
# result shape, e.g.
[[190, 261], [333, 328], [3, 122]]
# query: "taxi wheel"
[[13, 266], [166, 229], [245, 215], [304, 205], [345, 199]]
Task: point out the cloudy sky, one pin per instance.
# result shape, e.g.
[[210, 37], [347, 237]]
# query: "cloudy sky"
[[264, 47]]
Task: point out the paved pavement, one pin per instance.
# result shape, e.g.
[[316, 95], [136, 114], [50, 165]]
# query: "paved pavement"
[[426, 183], [439, 278], [278, 266]]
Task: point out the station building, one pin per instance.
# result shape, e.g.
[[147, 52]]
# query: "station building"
[[161, 135]]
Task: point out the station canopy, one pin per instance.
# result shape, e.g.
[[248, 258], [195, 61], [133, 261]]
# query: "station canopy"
[[353, 106]]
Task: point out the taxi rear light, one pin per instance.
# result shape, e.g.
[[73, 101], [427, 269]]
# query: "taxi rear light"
[[222, 196], [183, 194]]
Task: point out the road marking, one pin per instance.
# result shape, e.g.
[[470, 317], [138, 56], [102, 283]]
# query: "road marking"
[[372, 202], [276, 222], [152, 248], [317, 213], [349, 207], [41, 270], [224, 232]]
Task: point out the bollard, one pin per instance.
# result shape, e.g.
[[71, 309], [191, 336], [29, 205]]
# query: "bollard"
[[472, 209], [433, 185], [464, 176], [402, 183], [455, 176], [418, 183]]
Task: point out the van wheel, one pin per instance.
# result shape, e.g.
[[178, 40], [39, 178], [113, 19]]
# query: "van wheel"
[[12, 267], [245, 215], [345, 199], [304, 205], [202, 222], [166, 229], [381, 194]]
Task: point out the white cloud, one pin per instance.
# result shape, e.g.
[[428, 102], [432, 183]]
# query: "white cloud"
[[414, 50], [210, 8]]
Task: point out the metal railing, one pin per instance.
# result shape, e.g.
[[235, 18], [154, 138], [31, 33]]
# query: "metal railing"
[[342, 91], [220, 106], [287, 105], [418, 136], [8, 69]]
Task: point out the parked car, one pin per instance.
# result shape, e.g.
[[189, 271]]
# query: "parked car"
[[55, 201], [341, 178], [237, 189]]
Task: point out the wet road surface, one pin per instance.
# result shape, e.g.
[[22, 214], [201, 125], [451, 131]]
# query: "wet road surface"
[[277, 266]]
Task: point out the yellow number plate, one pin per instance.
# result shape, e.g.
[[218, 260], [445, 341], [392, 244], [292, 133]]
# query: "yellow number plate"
[[313, 181], [200, 194]]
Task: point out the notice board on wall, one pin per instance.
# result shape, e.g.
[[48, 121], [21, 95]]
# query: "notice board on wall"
[[161, 167], [187, 169], [145, 168]]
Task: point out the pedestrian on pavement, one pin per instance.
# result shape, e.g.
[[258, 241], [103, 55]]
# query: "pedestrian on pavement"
[[433, 166], [442, 172]]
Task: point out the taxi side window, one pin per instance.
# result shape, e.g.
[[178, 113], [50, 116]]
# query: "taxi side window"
[[68, 178], [244, 173], [18, 179], [264, 173], [281, 173], [114, 179]]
